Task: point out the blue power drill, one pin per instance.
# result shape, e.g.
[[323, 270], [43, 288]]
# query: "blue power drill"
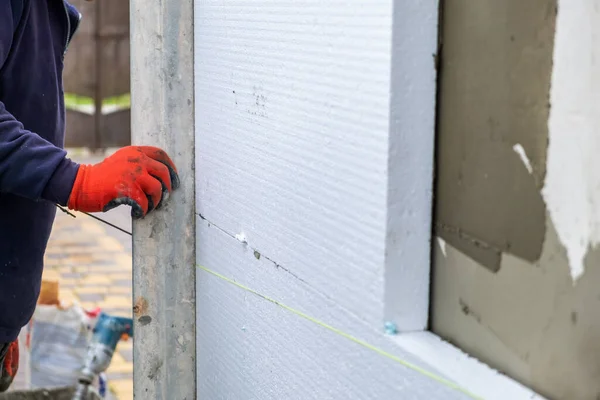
[[106, 335]]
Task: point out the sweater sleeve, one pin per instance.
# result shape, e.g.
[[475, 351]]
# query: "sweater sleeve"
[[30, 166]]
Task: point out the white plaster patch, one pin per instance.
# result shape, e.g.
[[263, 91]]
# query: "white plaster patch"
[[521, 152], [572, 187], [442, 244]]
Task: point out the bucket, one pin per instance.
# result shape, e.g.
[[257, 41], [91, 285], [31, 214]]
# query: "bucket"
[[61, 393]]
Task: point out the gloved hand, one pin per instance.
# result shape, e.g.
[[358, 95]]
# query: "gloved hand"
[[140, 176], [9, 364]]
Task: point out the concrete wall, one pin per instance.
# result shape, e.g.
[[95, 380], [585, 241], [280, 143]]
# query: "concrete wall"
[[312, 122], [516, 269]]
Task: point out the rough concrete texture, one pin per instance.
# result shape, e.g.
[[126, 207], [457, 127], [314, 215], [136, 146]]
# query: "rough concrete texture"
[[528, 320], [502, 285], [495, 77], [162, 115]]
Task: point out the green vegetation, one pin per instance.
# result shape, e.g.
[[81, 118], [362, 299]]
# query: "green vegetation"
[[74, 101]]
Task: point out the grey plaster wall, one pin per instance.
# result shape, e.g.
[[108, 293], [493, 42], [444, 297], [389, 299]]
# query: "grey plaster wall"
[[502, 288], [496, 66]]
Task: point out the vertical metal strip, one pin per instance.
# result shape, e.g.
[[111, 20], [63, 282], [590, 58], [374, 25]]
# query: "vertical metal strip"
[[164, 256]]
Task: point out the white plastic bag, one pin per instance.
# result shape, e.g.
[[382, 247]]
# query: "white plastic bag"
[[58, 345]]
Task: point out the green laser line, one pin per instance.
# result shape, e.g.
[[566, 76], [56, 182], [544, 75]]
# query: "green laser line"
[[339, 332]]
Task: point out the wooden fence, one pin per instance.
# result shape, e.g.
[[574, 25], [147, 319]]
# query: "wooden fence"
[[96, 69]]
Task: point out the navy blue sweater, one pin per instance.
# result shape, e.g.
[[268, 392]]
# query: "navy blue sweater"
[[34, 171]]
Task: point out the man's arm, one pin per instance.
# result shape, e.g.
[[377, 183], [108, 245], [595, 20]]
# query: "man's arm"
[[30, 166], [34, 168]]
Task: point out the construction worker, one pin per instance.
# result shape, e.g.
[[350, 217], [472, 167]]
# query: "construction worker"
[[36, 175]]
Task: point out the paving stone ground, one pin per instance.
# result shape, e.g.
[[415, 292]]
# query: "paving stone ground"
[[93, 264]]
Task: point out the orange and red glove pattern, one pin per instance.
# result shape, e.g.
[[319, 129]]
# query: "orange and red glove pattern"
[[140, 176], [10, 366]]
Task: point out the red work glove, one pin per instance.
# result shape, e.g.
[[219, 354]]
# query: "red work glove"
[[9, 366], [140, 176]]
